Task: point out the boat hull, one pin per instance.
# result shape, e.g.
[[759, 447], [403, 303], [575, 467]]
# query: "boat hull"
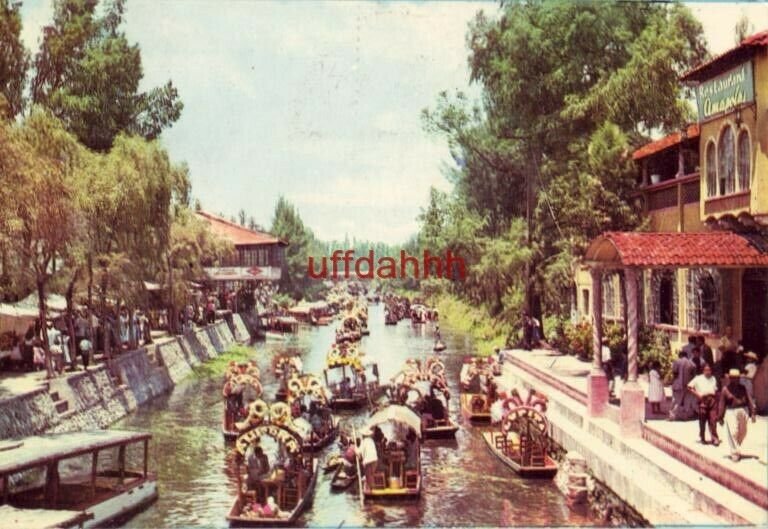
[[348, 404], [447, 431], [548, 471], [472, 414], [122, 506], [235, 520], [339, 483]]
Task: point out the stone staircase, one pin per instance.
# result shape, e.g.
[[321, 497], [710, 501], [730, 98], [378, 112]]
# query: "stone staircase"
[[663, 489]]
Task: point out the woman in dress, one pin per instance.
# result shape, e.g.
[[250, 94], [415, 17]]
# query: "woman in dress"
[[655, 388]]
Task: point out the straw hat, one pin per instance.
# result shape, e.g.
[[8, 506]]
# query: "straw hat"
[[750, 355], [734, 373]]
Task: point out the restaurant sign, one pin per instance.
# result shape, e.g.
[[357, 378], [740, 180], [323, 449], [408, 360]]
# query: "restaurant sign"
[[243, 273], [726, 91]]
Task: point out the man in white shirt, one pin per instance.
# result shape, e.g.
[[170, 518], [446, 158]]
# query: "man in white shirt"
[[704, 388], [369, 456]]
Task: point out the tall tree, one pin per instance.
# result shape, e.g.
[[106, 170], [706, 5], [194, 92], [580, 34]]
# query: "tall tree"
[[43, 224], [88, 74], [568, 89], [14, 60], [287, 225]]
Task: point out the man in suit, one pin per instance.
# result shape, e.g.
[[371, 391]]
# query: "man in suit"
[[683, 403]]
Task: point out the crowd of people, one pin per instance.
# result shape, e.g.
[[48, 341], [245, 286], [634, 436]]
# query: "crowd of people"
[[715, 386], [77, 343]]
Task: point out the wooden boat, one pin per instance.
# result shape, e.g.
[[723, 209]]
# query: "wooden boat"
[[341, 480], [103, 487], [394, 477], [324, 426], [352, 383], [521, 443], [439, 346], [422, 387], [292, 488], [475, 407], [241, 388], [478, 388]]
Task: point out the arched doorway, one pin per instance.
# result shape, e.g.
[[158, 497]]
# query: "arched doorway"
[[754, 310]]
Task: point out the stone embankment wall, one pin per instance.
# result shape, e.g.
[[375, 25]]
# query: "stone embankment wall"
[[94, 399]]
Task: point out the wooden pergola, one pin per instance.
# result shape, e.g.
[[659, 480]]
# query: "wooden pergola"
[[631, 253]]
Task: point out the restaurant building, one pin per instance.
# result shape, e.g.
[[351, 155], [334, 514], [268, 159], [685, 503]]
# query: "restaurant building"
[[255, 267], [702, 268]]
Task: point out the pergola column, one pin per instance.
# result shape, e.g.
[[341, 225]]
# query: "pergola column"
[[597, 382], [632, 411]]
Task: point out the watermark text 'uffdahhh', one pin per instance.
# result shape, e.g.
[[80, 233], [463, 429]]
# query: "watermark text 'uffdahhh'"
[[344, 264]]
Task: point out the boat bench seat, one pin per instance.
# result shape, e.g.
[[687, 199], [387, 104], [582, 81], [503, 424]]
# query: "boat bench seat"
[[411, 479]]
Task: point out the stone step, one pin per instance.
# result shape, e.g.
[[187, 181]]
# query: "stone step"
[[54, 395], [61, 405], [659, 483], [67, 414]]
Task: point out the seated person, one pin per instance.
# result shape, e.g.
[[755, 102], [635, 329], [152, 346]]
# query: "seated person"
[[258, 467], [346, 388], [437, 409]]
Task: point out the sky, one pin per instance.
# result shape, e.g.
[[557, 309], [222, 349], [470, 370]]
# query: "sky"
[[318, 101]]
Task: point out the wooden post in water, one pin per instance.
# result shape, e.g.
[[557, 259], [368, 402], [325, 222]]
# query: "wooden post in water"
[[359, 473]]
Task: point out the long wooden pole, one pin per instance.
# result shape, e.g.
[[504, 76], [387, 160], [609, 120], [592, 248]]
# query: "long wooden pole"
[[357, 461]]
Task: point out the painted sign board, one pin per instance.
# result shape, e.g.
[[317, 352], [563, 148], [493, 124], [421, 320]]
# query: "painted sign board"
[[725, 91], [243, 273]]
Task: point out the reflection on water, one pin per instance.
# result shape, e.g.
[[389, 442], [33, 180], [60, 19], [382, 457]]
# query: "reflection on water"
[[464, 484]]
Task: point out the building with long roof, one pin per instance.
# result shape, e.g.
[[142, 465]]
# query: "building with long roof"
[[702, 269]]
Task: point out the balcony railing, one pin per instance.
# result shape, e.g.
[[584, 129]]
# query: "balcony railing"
[[672, 193], [731, 202]]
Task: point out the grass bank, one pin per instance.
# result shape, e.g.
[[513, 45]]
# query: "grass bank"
[[459, 315], [218, 366]]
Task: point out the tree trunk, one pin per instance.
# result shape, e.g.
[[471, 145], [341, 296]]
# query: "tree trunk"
[[132, 339], [90, 281], [172, 317], [43, 318], [70, 322]]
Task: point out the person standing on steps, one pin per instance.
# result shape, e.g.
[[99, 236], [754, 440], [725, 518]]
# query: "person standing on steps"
[[735, 403], [704, 388]]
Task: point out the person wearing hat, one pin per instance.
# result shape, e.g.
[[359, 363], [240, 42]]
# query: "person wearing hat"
[[750, 370], [735, 403], [369, 456]]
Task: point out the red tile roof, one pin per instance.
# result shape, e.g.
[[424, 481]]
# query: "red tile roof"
[[692, 131], [660, 249], [730, 58], [236, 234]]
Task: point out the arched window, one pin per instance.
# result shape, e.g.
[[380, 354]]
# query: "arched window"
[[703, 293], [726, 161], [744, 167], [711, 170], [664, 297], [609, 296]]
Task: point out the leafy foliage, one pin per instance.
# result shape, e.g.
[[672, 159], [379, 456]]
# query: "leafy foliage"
[[14, 60], [88, 74], [568, 90]]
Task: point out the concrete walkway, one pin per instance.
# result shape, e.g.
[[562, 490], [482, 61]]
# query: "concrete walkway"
[[565, 376]]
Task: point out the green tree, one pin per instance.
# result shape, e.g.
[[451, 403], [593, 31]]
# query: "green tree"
[[288, 226], [88, 74], [568, 89], [14, 60], [42, 217]]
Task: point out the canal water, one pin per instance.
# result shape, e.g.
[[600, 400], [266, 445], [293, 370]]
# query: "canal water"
[[464, 484]]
